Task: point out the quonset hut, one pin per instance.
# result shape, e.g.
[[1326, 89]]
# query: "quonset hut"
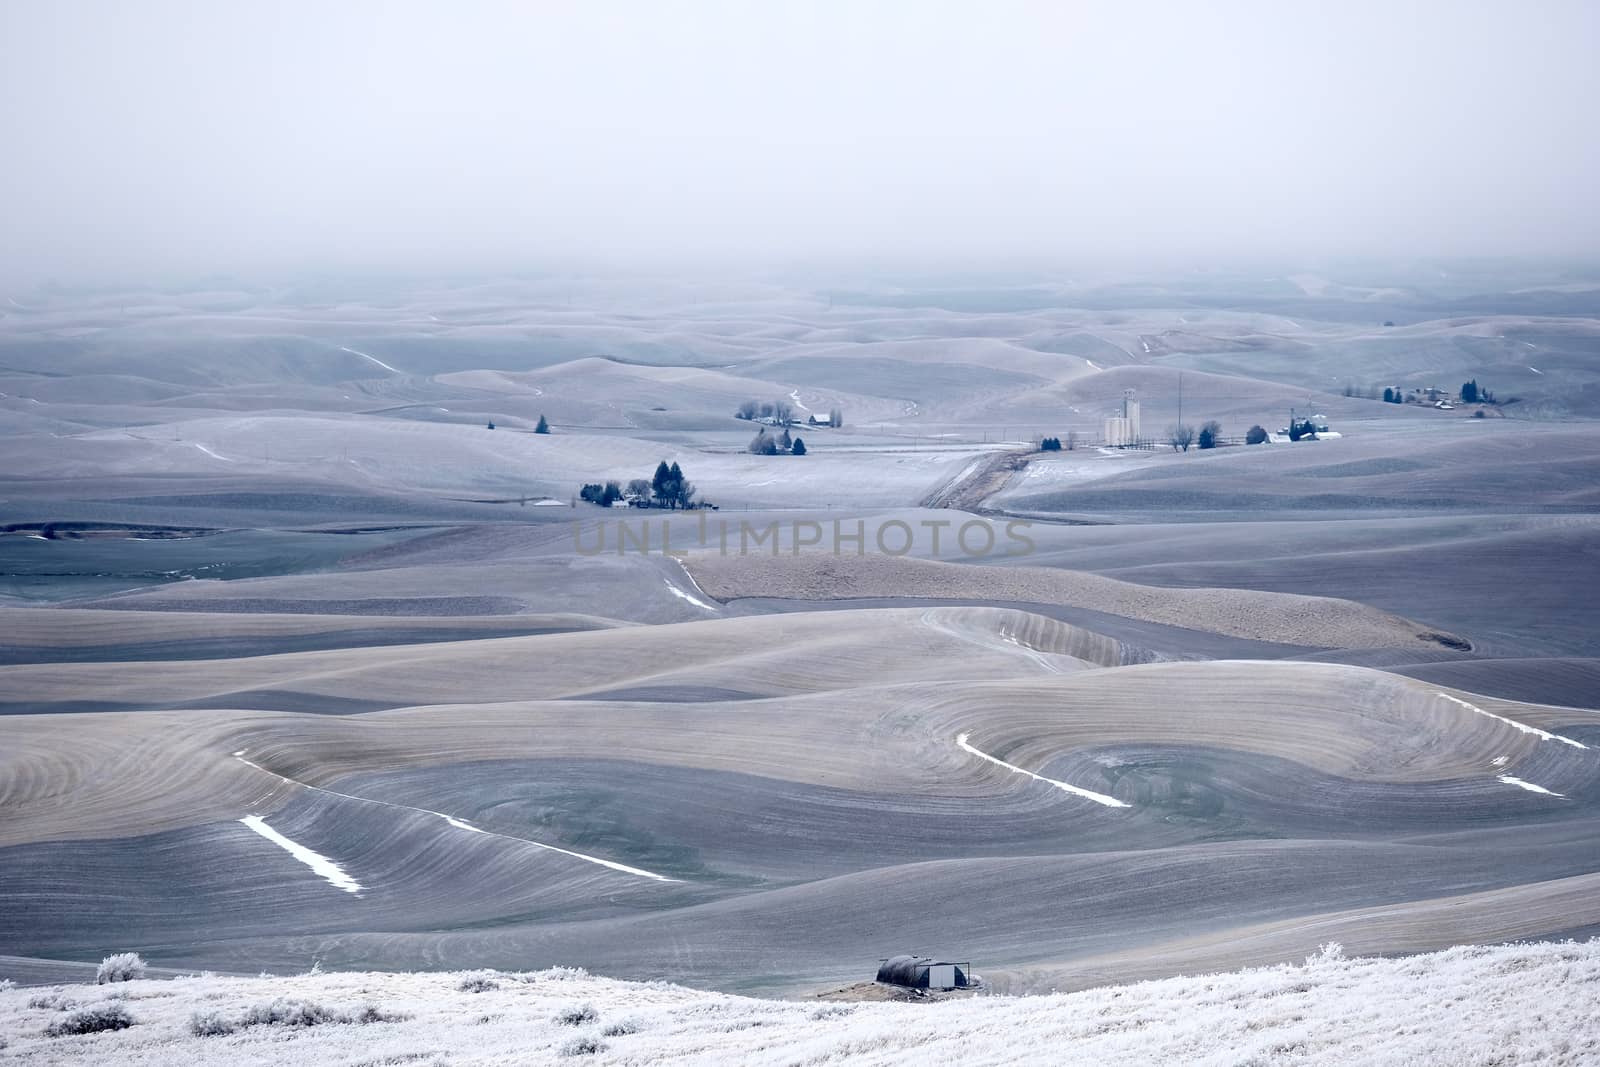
[[923, 972]]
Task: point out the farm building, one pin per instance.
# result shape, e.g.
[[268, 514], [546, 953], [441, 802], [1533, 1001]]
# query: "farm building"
[[923, 972]]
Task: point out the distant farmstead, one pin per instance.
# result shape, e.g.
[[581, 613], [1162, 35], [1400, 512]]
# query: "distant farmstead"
[[924, 972]]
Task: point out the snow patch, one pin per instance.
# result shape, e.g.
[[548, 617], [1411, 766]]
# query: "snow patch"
[[696, 601], [458, 823], [372, 359], [322, 865], [1529, 786], [1543, 735], [1087, 794]]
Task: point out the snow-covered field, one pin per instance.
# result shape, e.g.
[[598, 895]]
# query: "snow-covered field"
[[1513, 1004]]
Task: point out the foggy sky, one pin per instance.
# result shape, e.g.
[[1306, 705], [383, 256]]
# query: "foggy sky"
[[149, 137]]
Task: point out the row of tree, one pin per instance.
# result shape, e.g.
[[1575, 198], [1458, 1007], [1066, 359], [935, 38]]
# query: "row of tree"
[[764, 444], [667, 489]]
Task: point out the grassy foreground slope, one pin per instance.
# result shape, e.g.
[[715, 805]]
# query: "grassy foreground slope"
[[1471, 1005]]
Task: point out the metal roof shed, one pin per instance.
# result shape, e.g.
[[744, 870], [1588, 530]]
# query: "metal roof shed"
[[924, 972]]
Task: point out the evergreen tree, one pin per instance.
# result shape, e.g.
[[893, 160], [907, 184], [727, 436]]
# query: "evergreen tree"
[[543, 427]]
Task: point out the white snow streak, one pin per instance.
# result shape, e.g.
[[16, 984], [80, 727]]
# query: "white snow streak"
[[1529, 786], [210, 453], [460, 824], [1536, 370], [696, 601], [1087, 794], [1543, 735], [322, 865], [373, 359], [1092, 364], [794, 394]]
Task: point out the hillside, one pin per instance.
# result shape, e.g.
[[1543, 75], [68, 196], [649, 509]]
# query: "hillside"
[[1465, 1006]]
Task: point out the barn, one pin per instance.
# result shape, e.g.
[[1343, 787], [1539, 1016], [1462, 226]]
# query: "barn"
[[924, 972]]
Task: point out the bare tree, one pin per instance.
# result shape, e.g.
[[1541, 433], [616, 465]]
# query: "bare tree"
[[836, 418], [762, 444], [639, 489], [748, 409], [783, 412], [1180, 437]]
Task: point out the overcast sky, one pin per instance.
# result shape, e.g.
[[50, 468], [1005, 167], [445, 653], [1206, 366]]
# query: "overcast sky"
[[142, 138]]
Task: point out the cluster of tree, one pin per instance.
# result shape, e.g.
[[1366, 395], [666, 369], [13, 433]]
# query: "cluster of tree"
[[764, 444], [1472, 393], [668, 489], [1180, 437], [604, 495], [1256, 435], [779, 412], [1050, 444], [1393, 396]]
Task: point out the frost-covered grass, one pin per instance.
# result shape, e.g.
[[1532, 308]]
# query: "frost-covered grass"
[[1474, 1005]]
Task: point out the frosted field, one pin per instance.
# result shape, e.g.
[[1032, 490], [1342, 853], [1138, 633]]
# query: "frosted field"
[[1528, 1004], [301, 662]]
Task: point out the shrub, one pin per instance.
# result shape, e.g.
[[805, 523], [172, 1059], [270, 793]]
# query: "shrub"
[[577, 1015], [209, 1024], [53, 1001], [94, 1019], [121, 967], [283, 1012], [371, 1013], [583, 1045], [1256, 435], [478, 983], [621, 1029]]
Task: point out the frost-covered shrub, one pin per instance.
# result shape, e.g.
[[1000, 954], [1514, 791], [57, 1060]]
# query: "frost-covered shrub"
[[583, 1045], [209, 1024], [577, 1015], [121, 967], [560, 974], [6, 985], [478, 982], [1327, 952], [91, 1020], [371, 1013], [284, 1012], [52, 1001], [621, 1028]]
